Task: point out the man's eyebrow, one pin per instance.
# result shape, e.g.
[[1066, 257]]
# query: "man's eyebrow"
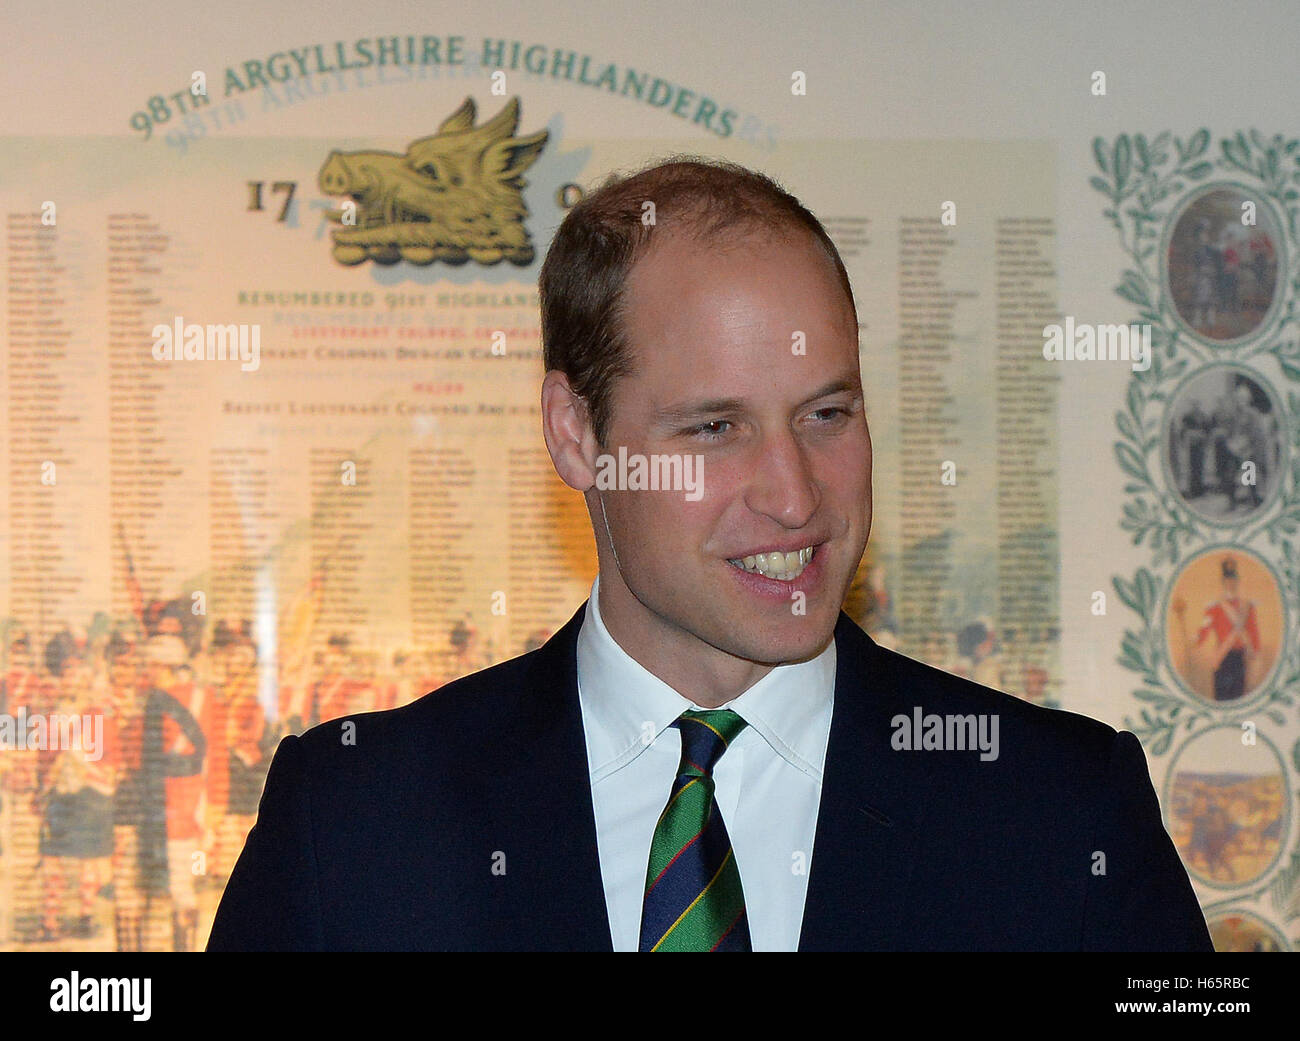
[[673, 414]]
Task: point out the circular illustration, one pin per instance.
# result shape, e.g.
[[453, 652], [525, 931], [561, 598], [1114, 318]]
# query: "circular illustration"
[[1224, 444], [1221, 268], [1227, 806], [1224, 624], [1240, 932]]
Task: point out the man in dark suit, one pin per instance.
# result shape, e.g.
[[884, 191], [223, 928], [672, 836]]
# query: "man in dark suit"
[[710, 755]]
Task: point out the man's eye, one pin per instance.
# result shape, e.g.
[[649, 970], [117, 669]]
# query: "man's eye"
[[832, 412], [707, 431]]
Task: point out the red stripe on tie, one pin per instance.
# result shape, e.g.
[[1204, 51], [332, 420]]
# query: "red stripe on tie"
[[728, 932], [674, 860]]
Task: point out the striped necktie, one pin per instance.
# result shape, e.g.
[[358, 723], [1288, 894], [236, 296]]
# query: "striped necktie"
[[693, 897]]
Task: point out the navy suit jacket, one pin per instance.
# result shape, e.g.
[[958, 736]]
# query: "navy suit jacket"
[[464, 821]]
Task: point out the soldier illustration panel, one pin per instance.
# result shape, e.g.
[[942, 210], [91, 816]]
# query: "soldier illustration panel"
[[1227, 807], [1224, 625], [1223, 264], [1225, 445]]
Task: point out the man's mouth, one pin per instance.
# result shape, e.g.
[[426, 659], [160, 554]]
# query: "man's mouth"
[[784, 567]]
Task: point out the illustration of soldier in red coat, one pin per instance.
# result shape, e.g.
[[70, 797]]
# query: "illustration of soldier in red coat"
[[1234, 622]]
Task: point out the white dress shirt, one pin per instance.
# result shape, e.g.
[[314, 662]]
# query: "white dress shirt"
[[768, 783]]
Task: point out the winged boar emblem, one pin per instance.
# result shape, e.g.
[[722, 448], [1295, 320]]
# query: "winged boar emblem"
[[453, 196]]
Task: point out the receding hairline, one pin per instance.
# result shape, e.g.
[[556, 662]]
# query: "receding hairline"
[[729, 240], [734, 238]]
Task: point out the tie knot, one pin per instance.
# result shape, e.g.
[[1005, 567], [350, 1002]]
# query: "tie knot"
[[705, 736]]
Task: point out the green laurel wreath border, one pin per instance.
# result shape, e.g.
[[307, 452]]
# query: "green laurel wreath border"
[[1137, 176]]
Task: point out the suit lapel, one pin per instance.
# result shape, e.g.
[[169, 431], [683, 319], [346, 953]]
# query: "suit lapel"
[[556, 894], [870, 822]]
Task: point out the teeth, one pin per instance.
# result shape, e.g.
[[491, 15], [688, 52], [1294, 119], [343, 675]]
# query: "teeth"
[[783, 567]]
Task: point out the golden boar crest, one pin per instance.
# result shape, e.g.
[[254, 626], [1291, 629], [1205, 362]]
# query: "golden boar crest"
[[453, 196]]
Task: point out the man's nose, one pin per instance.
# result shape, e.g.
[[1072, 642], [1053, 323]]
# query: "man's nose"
[[783, 485]]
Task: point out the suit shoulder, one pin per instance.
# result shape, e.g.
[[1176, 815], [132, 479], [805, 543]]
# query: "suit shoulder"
[[927, 686], [446, 718]]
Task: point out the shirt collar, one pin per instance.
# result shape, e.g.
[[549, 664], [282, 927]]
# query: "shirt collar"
[[626, 707]]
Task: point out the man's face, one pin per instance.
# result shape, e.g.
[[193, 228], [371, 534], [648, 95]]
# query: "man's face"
[[745, 358]]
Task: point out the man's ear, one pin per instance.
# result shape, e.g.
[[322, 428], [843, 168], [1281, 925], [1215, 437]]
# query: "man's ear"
[[566, 425]]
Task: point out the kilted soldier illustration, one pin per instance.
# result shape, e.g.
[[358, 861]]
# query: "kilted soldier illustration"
[[1233, 621], [172, 748], [75, 795], [124, 734], [184, 792]]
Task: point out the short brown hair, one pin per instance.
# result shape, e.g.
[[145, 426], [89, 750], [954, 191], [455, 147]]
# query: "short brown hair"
[[583, 277]]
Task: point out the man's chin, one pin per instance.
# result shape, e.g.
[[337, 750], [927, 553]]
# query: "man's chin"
[[797, 639]]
